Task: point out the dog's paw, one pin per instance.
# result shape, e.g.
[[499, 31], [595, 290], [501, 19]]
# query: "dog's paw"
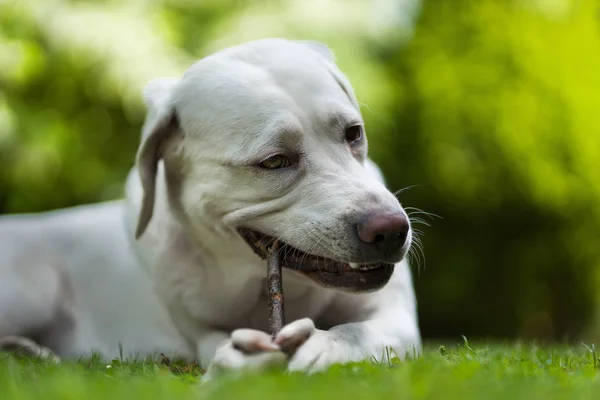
[[27, 347], [293, 335], [310, 349], [247, 350]]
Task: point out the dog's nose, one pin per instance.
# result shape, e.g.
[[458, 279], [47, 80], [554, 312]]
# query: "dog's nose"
[[387, 232]]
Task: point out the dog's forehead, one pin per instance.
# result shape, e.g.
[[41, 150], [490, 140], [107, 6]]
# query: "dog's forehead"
[[255, 84]]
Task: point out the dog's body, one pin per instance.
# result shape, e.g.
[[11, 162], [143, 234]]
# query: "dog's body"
[[246, 139], [71, 279]]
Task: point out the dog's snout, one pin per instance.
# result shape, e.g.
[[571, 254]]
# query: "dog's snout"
[[387, 232]]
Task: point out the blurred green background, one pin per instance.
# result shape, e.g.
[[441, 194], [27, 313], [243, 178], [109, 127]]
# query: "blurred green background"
[[491, 108]]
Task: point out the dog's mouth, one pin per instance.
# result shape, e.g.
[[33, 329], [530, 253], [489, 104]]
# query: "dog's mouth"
[[326, 272]]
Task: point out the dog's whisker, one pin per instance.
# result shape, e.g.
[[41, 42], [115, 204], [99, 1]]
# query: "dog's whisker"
[[417, 220], [289, 249], [312, 247], [360, 103], [417, 211], [417, 232], [417, 252], [414, 257], [292, 229], [404, 189]]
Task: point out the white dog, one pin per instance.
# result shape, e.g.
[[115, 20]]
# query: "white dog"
[[259, 141]]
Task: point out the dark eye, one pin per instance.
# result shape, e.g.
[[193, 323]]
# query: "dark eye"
[[354, 134], [275, 162]]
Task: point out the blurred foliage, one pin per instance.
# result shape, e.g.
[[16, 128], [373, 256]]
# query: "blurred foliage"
[[489, 107], [71, 74], [496, 121]]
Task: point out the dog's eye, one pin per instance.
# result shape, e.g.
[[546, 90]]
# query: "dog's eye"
[[354, 134], [275, 162]]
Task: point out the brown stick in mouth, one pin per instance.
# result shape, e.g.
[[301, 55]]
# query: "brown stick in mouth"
[[275, 288]]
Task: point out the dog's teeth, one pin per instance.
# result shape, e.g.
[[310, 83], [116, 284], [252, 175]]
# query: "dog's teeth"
[[360, 267], [366, 267]]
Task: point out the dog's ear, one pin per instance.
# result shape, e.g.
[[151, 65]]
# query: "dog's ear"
[[319, 48], [161, 124]]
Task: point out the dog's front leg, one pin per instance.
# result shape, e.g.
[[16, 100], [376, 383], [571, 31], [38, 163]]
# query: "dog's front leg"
[[244, 350], [351, 342], [391, 323]]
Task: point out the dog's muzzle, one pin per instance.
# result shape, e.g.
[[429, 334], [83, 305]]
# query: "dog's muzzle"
[[351, 277]]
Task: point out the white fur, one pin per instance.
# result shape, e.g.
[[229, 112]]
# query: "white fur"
[[78, 280]]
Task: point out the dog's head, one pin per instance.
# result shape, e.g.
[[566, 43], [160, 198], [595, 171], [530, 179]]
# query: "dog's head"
[[265, 140]]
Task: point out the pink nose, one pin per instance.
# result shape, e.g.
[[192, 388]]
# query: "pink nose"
[[387, 232]]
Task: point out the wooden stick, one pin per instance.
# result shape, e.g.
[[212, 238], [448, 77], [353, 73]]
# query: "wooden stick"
[[275, 288]]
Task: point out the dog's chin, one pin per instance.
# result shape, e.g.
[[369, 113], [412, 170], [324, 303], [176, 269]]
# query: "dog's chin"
[[346, 276]]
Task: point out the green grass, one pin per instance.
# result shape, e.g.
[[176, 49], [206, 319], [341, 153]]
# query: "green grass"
[[452, 371]]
